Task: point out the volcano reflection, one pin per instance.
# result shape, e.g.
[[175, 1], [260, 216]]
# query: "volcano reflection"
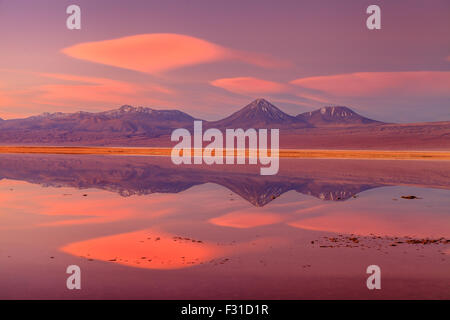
[[328, 180]]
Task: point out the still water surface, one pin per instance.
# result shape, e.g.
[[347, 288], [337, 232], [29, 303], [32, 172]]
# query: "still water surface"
[[142, 228]]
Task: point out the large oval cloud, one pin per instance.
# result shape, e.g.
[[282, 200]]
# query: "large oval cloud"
[[158, 52]]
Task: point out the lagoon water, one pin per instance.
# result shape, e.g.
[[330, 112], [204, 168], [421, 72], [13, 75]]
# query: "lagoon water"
[[143, 228]]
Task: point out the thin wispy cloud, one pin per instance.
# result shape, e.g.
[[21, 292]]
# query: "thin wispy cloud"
[[364, 84], [250, 85]]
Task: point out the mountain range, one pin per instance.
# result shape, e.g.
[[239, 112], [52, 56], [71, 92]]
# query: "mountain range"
[[328, 127]]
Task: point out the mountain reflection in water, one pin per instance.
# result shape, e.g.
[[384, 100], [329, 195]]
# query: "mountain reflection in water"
[[329, 180]]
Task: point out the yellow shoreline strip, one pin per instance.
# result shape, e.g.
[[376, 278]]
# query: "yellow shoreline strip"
[[283, 153]]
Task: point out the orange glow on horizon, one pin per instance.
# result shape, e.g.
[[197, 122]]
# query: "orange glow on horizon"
[[95, 89]]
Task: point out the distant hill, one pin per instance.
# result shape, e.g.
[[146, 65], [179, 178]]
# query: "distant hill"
[[332, 116]]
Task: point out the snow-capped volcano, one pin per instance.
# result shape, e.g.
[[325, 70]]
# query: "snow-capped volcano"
[[259, 114], [335, 115]]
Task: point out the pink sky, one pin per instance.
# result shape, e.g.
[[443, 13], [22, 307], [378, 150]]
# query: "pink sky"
[[210, 58]]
